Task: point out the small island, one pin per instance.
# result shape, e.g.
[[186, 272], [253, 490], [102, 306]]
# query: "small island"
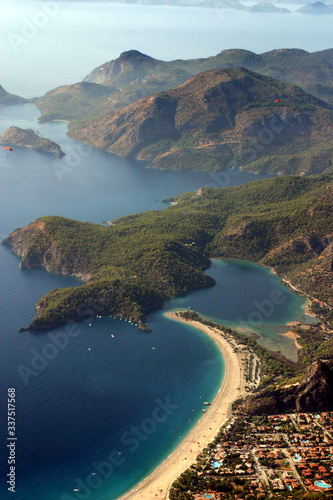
[[15, 136]]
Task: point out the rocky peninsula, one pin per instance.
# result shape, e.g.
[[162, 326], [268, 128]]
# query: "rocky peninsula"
[[7, 99], [15, 136], [131, 267]]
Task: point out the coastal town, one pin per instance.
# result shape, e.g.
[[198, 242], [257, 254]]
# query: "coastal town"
[[263, 457], [285, 455]]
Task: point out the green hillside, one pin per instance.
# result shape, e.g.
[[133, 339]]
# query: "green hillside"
[[72, 102], [131, 267], [7, 99]]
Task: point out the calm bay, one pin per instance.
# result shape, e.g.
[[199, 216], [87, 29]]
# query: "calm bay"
[[79, 402]]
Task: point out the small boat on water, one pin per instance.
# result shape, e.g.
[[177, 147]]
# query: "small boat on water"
[[206, 403]]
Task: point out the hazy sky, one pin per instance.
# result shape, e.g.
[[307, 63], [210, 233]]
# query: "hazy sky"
[[47, 43]]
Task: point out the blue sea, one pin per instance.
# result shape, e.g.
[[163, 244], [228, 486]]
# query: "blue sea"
[[99, 407], [82, 397]]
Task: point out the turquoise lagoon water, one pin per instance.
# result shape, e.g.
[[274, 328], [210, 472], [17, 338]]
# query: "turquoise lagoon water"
[[250, 298]]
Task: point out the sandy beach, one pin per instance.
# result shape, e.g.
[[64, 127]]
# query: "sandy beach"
[[293, 335], [156, 485]]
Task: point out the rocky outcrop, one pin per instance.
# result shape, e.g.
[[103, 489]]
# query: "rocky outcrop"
[[314, 393], [15, 136], [38, 251]]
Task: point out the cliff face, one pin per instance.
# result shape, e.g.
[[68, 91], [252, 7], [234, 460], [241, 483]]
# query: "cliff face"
[[38, 251], [15, 136], [315, 393]]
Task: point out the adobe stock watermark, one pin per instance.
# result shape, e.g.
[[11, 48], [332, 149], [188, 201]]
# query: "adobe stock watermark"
[[30, 28], [130, 441], [59, 340], [72, 159], [263, 310]]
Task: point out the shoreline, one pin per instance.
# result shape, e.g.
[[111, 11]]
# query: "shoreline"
[[294, 336], [156, 486]]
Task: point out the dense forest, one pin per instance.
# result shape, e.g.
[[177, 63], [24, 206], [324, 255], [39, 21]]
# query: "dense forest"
[[132, 266]]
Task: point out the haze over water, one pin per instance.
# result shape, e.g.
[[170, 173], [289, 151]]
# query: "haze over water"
[[75, 411], [41, 51]]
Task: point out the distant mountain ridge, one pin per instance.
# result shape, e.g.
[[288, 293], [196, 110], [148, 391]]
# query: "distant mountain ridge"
[[267, 7], [134, 75], [316, 8], [291, 65]]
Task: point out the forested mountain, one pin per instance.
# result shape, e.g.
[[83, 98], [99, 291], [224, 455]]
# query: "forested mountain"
[[131, 267], [218, 118]]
